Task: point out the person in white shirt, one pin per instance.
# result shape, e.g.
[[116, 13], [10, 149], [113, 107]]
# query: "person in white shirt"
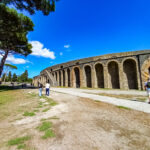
[[47, 86]]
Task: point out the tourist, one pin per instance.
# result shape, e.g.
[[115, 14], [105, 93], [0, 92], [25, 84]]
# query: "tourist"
[[147, 87], [40, 89], [47, 86]]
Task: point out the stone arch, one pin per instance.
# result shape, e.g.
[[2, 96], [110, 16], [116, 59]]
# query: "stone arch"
[[113, 73], [130, 71], [68, 74], [77, 77], [59, 78], [99, 69], [149, 71], [88, 75], [56, 75], [145, 70], [64, 77]]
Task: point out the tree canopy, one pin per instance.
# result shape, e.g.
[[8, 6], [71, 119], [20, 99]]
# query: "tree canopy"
[[11, 66], [46, 6], [14, 28]]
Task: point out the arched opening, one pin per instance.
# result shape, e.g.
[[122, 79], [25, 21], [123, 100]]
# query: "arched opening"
[[149, 71], [68, 74], [88, 76], [99, 75], [129, 67], [64, 78], [56, 75], [114, 75], [77, 77], [59, 78]]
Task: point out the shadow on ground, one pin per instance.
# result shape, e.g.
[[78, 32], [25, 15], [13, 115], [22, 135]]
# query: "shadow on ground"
[[7, 88]]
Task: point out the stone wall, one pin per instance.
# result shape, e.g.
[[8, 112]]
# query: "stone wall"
[[128, 70]]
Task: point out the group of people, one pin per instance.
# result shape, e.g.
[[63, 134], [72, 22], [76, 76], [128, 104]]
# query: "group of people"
[[47, 89]]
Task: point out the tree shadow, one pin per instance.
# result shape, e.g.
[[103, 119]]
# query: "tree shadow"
[[15, 87]]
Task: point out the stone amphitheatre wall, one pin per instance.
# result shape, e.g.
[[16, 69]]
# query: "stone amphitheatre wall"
[[128, 70]]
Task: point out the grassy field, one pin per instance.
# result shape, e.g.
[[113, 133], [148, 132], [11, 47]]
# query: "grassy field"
[[17, 104]]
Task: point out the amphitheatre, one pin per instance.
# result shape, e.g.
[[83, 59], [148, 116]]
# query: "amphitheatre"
[[127, 70]]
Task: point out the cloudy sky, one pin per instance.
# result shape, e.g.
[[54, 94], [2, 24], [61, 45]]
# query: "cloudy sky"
[[86, 28]]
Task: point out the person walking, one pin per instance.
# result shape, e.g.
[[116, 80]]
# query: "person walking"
[[147, 87], [40, 89], [47, 86]]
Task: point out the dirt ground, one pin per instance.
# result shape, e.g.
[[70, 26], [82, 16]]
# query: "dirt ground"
[[80, 124]]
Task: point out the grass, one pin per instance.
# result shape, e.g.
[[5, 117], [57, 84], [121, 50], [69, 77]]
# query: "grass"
[[142, 98], [50, 101], [97, 101], [18, 141], [125, 96], [45, 126], [123, 107], [53, 103], [29, 114], [54, 117], [21, 146], [6, 97], [43, 119], [45, 110], [36, 110], [48, 134], [32, 94]]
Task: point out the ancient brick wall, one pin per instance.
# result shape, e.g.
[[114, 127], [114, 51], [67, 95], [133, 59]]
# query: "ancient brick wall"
[[128, 70]]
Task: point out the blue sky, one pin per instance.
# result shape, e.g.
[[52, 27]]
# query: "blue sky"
[[87, 28]]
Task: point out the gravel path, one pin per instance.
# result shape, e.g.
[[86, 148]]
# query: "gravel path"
[[140, 106]]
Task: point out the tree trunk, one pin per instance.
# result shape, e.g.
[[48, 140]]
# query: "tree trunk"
[[3, 62]]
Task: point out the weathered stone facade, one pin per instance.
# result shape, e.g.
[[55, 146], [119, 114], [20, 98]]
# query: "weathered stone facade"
[[128, 70]]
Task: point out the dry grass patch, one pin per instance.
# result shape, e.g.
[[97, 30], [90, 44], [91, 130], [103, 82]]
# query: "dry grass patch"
[[125, 96]]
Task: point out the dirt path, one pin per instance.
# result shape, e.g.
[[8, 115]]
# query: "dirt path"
[[84, 124], [92, 125]]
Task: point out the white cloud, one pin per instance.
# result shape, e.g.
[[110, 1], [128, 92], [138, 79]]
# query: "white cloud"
[[66, 46], [13, 60], [60, 53], [39, 50]]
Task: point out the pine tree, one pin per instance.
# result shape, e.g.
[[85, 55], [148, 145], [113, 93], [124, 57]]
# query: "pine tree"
[[14, 78], [3, 77], [14, 28], [9, 76], [26, 75], [46, 6]]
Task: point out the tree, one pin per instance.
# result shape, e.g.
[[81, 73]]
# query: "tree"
[[4, 76], [46, 6], [8, 67], [14, 28], [26, 75], [30, 80], [9, 76], [14, 78]]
